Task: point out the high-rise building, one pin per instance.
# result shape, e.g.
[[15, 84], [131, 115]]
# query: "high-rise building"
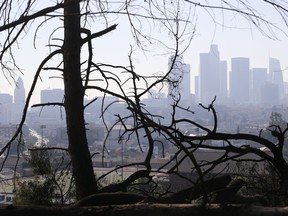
[[197, 88], [19, 101], [223, 80], [239, 80], [212, 76], [52, 95], [52, 113], [285, 88], [6, 106], [276, 76], [180, 78], [259, 78]]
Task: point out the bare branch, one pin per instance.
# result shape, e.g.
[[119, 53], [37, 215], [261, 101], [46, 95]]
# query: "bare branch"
[[43, 12]]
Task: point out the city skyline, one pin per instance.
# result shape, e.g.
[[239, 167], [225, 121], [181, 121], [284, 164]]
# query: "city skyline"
[[242, 84], [234, 35], [222, 83], [9, 89]]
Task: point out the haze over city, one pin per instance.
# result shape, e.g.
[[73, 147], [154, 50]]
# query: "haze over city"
[[232, 33], [172, 102], [195, 68]]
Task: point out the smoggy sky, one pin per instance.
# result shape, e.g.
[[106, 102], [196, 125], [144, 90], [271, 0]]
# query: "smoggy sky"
[[234, 35]]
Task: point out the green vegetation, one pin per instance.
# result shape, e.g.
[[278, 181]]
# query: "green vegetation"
[[49, 186], [37, 191]]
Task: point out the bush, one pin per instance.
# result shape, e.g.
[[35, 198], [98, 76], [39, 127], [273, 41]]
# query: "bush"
[[35, 192], [51, 185]]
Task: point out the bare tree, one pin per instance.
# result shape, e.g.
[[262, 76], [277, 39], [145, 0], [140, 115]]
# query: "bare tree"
[[77, 15]]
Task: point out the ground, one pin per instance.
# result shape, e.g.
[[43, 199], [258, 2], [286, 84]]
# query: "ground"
[[144, 210]]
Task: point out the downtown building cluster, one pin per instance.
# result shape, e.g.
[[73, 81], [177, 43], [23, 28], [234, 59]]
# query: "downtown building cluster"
[[238, 85], [242, 85]]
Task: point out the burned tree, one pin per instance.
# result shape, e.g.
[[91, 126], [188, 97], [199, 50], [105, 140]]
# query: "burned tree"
[[77, 73]]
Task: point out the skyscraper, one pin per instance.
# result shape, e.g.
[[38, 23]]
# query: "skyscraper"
[[259, 78], [223, 80], [239, 80], [197, 88], [212, 75], [6, 105], [180, 79], [52, 95], [276, 76], [52, 113], [19, 100]]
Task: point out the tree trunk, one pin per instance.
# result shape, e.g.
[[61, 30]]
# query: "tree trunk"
[[78, 146]]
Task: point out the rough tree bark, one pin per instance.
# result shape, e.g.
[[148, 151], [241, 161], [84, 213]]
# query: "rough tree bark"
[[78, 145]]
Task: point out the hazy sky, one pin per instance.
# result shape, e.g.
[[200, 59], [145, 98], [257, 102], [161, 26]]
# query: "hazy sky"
[[232, 33]]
